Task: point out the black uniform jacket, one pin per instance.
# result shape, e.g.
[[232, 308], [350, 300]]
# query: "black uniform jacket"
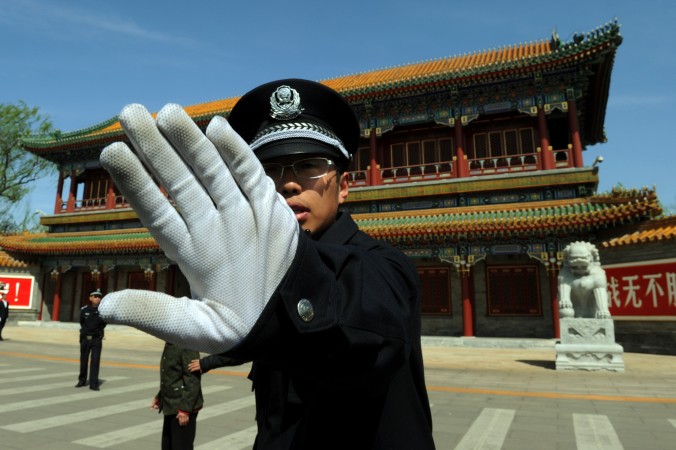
[[4, 311], [336, 352], [91, 323], [214, 361]]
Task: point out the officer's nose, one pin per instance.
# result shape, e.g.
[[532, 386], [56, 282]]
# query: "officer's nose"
[[289, 186]]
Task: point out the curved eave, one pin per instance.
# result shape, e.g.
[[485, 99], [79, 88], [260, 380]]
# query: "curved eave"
[[133, 241], [597, 101], [488, 223], [559, 217], [111, 130], [509, 62], [37, 143], [655, 231], [9, 262], [477, 68]]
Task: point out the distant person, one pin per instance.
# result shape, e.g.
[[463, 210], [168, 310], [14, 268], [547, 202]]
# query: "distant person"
[[91, 341], [179, 398], [4, 309]]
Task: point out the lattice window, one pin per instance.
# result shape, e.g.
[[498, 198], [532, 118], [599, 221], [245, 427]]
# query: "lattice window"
[[96, 185], [138, 280], [445, 150], [481, 149], [398, 155], [511, 143], [412, 153], [429, 152], [435, 290], [361, 159], [527, 140], [513, 291], [495, 142], [413, 156]]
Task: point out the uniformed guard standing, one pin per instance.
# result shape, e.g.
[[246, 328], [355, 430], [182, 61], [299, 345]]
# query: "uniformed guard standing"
[[91, 341], [4, 308]]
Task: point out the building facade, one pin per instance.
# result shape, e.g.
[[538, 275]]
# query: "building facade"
[[472, 165]]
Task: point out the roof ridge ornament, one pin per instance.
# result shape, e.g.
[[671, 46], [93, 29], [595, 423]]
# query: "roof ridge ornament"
[[285, 103]]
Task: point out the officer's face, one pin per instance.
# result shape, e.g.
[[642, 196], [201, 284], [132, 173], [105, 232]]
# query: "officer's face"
[[95, 300], [315, 201]]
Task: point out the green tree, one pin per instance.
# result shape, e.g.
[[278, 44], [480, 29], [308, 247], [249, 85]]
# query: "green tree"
[[19, 169]]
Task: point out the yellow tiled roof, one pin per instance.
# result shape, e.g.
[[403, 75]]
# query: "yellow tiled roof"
[[137, 240], [446, 66], [10, 262], [659, 230], [556, 216], [518, 60], [482, 222]]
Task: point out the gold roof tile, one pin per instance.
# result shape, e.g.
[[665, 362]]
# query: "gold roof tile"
[[8, 261], [657, 230]]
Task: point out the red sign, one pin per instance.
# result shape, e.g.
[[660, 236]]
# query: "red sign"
[[643, 289], [19, 290]]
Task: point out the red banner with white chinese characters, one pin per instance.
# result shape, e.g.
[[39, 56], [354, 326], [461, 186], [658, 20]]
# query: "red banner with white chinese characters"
[[19, 290], [643, 289]]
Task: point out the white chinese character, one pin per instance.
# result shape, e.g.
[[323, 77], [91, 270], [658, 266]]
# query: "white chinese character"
[[614, 292], [631, 292], [671, 288], [654, 287]]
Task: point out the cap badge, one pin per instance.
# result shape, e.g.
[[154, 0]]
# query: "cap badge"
[[285, 103]]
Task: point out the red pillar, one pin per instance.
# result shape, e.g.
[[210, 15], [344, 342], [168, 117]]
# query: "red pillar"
[[42, 295], [73, 192], [461, 164], [110, 196], [59, 190], [554, 294], [374, 171], [546, 160], [467, 313], [73, 306], [575, 134], [57, 299]]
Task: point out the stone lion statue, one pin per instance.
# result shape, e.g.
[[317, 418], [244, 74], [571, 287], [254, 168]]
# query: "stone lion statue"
[[583, 288]]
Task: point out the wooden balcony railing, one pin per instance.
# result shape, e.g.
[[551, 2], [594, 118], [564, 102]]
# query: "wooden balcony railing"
[[503, 164], [389, 175], [90, 204], [417, 172]]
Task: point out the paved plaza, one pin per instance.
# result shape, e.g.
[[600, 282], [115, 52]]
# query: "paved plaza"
[[485, 394]]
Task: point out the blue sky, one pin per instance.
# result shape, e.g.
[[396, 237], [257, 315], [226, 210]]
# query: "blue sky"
[[81, 61]]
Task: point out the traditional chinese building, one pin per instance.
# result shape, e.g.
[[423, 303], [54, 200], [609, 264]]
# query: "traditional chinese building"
[[473, 165]]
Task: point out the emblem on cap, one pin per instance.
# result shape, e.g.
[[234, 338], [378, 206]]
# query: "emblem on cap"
[[285, 103]]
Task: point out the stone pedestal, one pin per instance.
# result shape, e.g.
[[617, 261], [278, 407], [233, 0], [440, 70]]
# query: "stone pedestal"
[[588, 344]]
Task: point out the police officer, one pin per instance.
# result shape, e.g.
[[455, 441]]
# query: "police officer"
[[4, 308], [279, 276], [91, 341]]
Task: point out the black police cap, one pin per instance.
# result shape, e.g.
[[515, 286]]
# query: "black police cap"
[[295, 116], [96, 293]]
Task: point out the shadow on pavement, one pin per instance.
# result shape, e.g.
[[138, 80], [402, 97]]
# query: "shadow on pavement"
[[551, 365]]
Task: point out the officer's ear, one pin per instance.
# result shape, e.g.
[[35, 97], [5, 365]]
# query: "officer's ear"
[[343, 187]]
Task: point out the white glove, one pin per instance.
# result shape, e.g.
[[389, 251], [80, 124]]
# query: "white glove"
[[231, 234]]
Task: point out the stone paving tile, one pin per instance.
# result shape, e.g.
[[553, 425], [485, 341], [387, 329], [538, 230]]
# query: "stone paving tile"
[[462, 383]]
